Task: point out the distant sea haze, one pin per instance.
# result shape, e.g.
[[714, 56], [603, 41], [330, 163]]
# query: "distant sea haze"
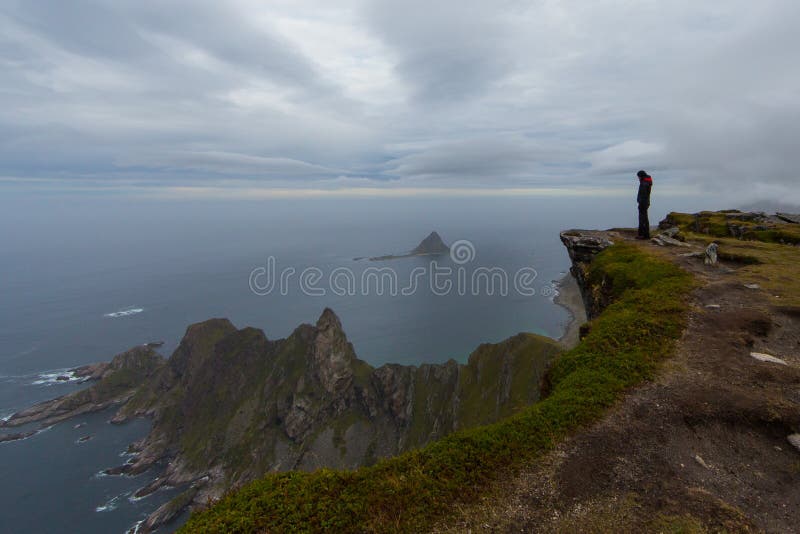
[[85, 278]]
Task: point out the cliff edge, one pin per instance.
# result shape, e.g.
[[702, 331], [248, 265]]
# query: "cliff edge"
[[710, 442]]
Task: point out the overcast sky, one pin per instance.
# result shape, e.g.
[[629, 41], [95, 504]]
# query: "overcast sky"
[[401, 95]]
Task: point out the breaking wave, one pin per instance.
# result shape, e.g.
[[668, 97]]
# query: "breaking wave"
[[124, 312], [111, 504], [57, 376]]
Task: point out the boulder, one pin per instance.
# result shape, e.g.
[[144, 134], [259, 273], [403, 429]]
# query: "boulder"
[[711, 254]]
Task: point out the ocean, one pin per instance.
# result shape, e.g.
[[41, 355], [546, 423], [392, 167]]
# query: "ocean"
[[86, 276]]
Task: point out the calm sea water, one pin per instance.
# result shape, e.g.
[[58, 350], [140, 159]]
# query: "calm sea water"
[[86, 277]]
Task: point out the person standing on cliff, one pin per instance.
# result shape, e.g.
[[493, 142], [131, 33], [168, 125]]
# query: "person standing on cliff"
[[643, 198]]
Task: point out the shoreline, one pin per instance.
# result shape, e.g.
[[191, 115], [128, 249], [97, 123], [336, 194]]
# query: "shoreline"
[[569, 297]]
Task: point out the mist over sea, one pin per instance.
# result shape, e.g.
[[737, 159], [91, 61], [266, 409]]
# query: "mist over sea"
[[84, 277]]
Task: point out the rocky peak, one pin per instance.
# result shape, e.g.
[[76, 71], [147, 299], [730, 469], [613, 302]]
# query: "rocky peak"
[[329, 321], [332, 355], [138, 358], [432, 244], [197, 346]]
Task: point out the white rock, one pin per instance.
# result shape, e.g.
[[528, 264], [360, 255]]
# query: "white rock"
[[711, 254], [667, 241], [713, 306], [760, 356], [794, 439], [699, 460], [752, 286], [671, 232]]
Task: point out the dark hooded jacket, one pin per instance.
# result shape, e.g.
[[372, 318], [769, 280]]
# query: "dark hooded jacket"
[[645, 185]]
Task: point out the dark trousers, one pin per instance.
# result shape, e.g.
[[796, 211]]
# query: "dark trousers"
[[644, 221]]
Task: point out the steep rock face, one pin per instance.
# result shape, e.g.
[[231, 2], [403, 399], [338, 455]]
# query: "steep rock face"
[[308, 402], [197, 346], [332, 357], [582, 246], [231, 405]]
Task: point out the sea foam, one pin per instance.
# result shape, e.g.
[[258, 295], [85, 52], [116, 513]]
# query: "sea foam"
[[124, 312], [50, 378], [110, 505]]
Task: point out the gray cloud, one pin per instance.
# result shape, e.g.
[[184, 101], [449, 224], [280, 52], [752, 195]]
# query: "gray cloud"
[[444, 94], [232, 164], [445, 51], [487, 159]]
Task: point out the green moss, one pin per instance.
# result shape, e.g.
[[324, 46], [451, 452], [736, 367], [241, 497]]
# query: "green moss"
[[362, 372], [677, 524], [408, 492]]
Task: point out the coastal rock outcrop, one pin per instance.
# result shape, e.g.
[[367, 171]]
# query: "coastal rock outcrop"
[[117, 381], [582, 246]]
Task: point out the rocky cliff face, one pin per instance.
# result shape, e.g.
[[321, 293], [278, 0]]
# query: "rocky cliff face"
[[231, 405], [582, 246]]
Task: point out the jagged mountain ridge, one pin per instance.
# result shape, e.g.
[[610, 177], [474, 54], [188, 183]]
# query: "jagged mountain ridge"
[[230, 405]]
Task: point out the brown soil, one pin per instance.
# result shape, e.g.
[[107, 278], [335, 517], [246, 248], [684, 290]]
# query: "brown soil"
[[702, 448]]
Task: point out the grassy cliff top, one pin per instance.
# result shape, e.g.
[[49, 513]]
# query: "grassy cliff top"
[[411, 491], [767, 248]]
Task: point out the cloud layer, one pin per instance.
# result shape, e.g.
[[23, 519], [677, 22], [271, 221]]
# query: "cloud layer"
[[388, 94]]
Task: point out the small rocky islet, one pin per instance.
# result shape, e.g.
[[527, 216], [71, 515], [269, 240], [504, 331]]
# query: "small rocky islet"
[[432, 245]]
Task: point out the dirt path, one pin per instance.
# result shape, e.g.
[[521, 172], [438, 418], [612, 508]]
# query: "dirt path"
[[703, 448]]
